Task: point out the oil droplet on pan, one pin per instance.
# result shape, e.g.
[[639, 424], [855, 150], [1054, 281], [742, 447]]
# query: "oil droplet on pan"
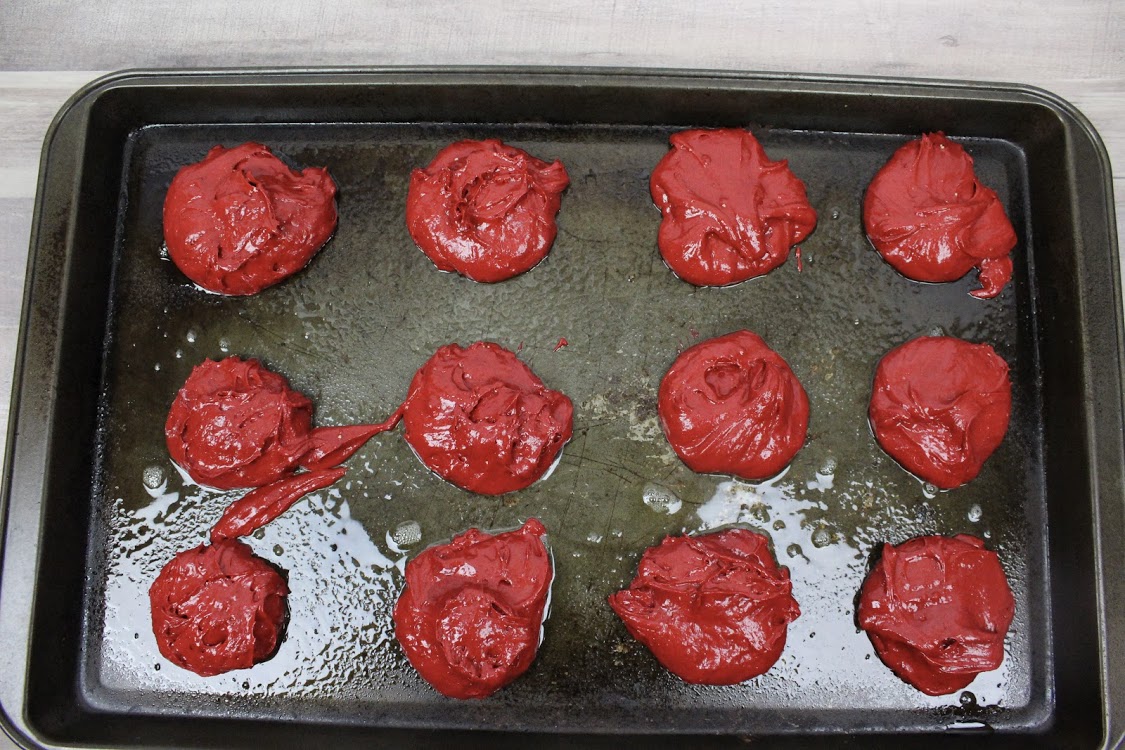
[[661, 499], [153, 477], [407, 533]]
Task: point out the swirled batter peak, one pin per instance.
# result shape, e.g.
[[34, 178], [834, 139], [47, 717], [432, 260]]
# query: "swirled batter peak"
[[218, 607], [471, 616], [940, 406], [240, 220], [485, 209], [937, 610], [480, 418], [730, 213], [931, 218], [713, 609], [732, 405]]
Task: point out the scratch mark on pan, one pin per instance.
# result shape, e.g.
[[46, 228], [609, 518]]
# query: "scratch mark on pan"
[[612, 513], [580, 238], [275, 336], [610, 468]]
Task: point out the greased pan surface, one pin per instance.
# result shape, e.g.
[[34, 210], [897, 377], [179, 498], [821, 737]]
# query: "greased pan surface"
[[351, 329]]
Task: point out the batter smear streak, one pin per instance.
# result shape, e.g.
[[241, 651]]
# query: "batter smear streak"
[[219, 607], [235, 424]]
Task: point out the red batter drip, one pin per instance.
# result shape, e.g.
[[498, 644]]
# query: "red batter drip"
[[217, 608], [713, 609], [730, 213], [937, 611], [481, 419], [258, 507], [484, 209], [236, 424], [930, 217], [731, 405], [940, 407], [471, 614], [240, 220]]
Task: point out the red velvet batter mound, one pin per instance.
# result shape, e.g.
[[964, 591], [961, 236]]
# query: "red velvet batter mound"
[[481, 419], [940, 407], [713, 609], [930, 217], [471, 614], [240, 220], [217, 608], [937, 611], [730, 213], [731, 405], [236, 424], [484, 209]]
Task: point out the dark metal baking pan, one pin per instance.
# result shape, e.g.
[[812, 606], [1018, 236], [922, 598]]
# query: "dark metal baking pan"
[[110, 331]]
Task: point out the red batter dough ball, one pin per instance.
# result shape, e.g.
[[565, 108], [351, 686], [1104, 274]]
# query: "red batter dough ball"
[[236, 424], [937, 611], [930, 217], [713, 609], [241, 220], [731, 405], [481, 419], [217, 608], [471, 616], [484, 209], [730, 213], [940, 407]]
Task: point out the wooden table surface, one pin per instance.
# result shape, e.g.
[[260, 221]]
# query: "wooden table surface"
[[50, 48]]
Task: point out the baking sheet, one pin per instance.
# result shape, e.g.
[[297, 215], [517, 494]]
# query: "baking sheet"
[[353, 327]]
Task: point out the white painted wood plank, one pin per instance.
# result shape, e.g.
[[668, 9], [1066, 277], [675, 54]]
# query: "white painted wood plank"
[[957, 38]]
